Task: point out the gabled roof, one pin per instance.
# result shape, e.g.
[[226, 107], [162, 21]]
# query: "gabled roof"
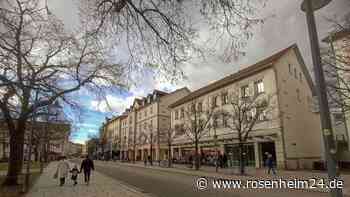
[[257, 67], [159, 92]]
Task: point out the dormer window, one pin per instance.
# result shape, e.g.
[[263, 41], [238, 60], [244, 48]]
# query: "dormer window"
[[154, 96]]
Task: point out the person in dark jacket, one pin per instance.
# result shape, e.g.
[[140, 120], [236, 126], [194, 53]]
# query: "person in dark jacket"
[[270, 164], [87, 165], [224, 160]]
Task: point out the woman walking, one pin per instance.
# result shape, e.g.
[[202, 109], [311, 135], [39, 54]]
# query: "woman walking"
[[62, 170]]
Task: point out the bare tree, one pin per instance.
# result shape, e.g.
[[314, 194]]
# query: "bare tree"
[[244, 114], [336, 62], [167, 136], [149, 138], [38, 55], [196, 125], [163, 34]]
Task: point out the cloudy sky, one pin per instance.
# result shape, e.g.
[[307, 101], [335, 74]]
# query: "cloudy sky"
[[287, 25]]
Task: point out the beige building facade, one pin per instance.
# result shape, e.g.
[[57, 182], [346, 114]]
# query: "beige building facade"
[[291, 131], [140, 127], [339, 55]]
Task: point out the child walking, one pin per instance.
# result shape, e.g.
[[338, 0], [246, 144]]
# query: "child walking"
[[75, 173]]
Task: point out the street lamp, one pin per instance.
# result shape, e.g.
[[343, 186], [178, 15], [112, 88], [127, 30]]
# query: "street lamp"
[[309, 6]]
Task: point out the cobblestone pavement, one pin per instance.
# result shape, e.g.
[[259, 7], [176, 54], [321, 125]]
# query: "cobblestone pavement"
[[100, 186]]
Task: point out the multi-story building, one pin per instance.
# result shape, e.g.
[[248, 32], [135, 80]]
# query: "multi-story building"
[[338, 60], [153, 118], [49, 139], [74, 149], [290, 131], [84, 149], [142, 123], [125, 140]]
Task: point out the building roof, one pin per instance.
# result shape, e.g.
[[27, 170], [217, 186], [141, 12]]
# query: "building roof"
[[257, 67], [337, 35]]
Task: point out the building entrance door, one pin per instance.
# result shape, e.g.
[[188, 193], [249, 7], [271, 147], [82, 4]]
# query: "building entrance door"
[[267, 147]]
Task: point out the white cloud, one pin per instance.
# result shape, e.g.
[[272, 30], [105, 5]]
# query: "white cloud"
[[93, 131], [112, 104], [79, 141], [86, 125], [288, 26]]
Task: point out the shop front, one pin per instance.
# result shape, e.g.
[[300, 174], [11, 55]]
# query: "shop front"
[[233, 154], [254, 153]]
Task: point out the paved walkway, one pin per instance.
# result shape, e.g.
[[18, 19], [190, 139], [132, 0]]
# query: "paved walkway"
[[232, 174], [100, 186]]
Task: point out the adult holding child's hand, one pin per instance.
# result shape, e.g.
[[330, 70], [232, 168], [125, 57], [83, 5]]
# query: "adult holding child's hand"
[[87, 165]]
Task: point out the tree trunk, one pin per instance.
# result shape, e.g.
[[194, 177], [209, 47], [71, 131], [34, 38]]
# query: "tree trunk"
[[4, 150], [134, 154], [46, 152], [169, 155], [36, 153], [196, 156], [151, 153], [16, 154], [241, 158]]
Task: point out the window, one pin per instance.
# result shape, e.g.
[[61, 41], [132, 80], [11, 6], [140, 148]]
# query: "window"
[[200, 107], [245, 91], [295, 73], [290, 68], [224, 98], [145, 113], [193, 107], [224, 121], [182, 114], [214, 101], [176, 114], [201, 124], [179, 129], [259, 87], [338, 117], [262, 114], [151, 110], [300, 77], [298, 95]]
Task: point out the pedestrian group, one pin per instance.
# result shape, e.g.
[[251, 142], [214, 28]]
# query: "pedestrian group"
[[63, 170]]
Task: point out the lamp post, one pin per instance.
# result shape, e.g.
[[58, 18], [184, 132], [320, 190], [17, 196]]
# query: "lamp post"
[[309, 6]]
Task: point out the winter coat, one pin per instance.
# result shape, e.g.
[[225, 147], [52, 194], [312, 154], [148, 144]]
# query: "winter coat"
[[63, 169], [87, 165]]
